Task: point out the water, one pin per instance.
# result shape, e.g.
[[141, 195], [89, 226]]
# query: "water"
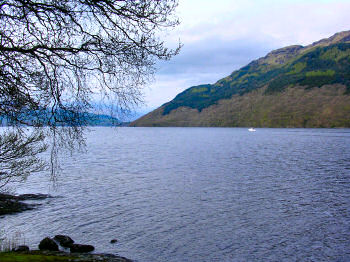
[[201, 194]]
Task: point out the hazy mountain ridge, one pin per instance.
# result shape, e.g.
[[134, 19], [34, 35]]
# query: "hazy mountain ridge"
[[82, 119], [323, 63]]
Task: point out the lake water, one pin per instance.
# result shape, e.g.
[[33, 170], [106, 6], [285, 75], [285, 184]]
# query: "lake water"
[[200, 194]]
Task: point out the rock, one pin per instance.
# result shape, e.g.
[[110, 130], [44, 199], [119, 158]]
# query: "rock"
[[81, 248], [48, 244], [12, 204], [33, 196], [114, 241], [64, 241], [21, 249], [4, 197]]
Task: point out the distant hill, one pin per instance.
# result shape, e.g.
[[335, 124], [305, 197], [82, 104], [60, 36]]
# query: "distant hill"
[[295, 86], [102, 120], [85, 119]]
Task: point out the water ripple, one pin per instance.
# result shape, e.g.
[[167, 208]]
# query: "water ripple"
[[201, 194]]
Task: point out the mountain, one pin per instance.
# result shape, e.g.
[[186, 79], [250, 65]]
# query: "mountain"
[[294, 86], [101, 120], [83, 119]]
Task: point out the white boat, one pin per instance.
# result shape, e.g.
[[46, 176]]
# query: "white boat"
[[251, 129]]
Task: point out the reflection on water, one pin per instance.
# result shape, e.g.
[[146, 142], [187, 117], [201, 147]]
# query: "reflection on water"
[[201, 194]]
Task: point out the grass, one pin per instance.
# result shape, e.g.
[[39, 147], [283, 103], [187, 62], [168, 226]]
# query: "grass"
[[50, 256], [7, 243], [28, 257]]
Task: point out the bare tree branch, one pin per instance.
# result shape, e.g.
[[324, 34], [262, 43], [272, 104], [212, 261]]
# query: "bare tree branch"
[[56, 56], [19, 155]]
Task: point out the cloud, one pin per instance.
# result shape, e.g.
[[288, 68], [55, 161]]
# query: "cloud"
[[202, 62], [214, 55], [287, 21]]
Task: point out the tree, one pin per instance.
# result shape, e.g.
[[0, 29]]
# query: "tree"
[[19, 155], [57, 57]]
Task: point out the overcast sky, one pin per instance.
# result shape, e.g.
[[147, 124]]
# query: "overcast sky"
[[222, 36]]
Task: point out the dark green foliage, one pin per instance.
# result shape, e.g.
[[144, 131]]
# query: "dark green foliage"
[[192, 99], [318, 71], [314, 68]]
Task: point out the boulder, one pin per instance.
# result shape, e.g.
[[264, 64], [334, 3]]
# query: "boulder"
[[64, 241], [21, 249], [79, 248], [48, 244]]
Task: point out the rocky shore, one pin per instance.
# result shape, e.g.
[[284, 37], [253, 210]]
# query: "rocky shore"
[[48, 247], [38, 255], [49, 251], [10, 204]]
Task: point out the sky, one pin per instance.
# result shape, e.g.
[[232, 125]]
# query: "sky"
[[222, 36]]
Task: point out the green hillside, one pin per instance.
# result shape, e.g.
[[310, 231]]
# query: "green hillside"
[[324, 63], [320, 66]]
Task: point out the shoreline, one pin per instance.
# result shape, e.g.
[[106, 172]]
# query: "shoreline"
[[39, 255], [11, 204]]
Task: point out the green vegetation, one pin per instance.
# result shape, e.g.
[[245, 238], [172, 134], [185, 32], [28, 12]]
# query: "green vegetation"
[[24, 257], [318, 66], [294, 107], [297, 68], [317, 72], [328, 73], [48, 256], [199, 89], [335, 54]]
